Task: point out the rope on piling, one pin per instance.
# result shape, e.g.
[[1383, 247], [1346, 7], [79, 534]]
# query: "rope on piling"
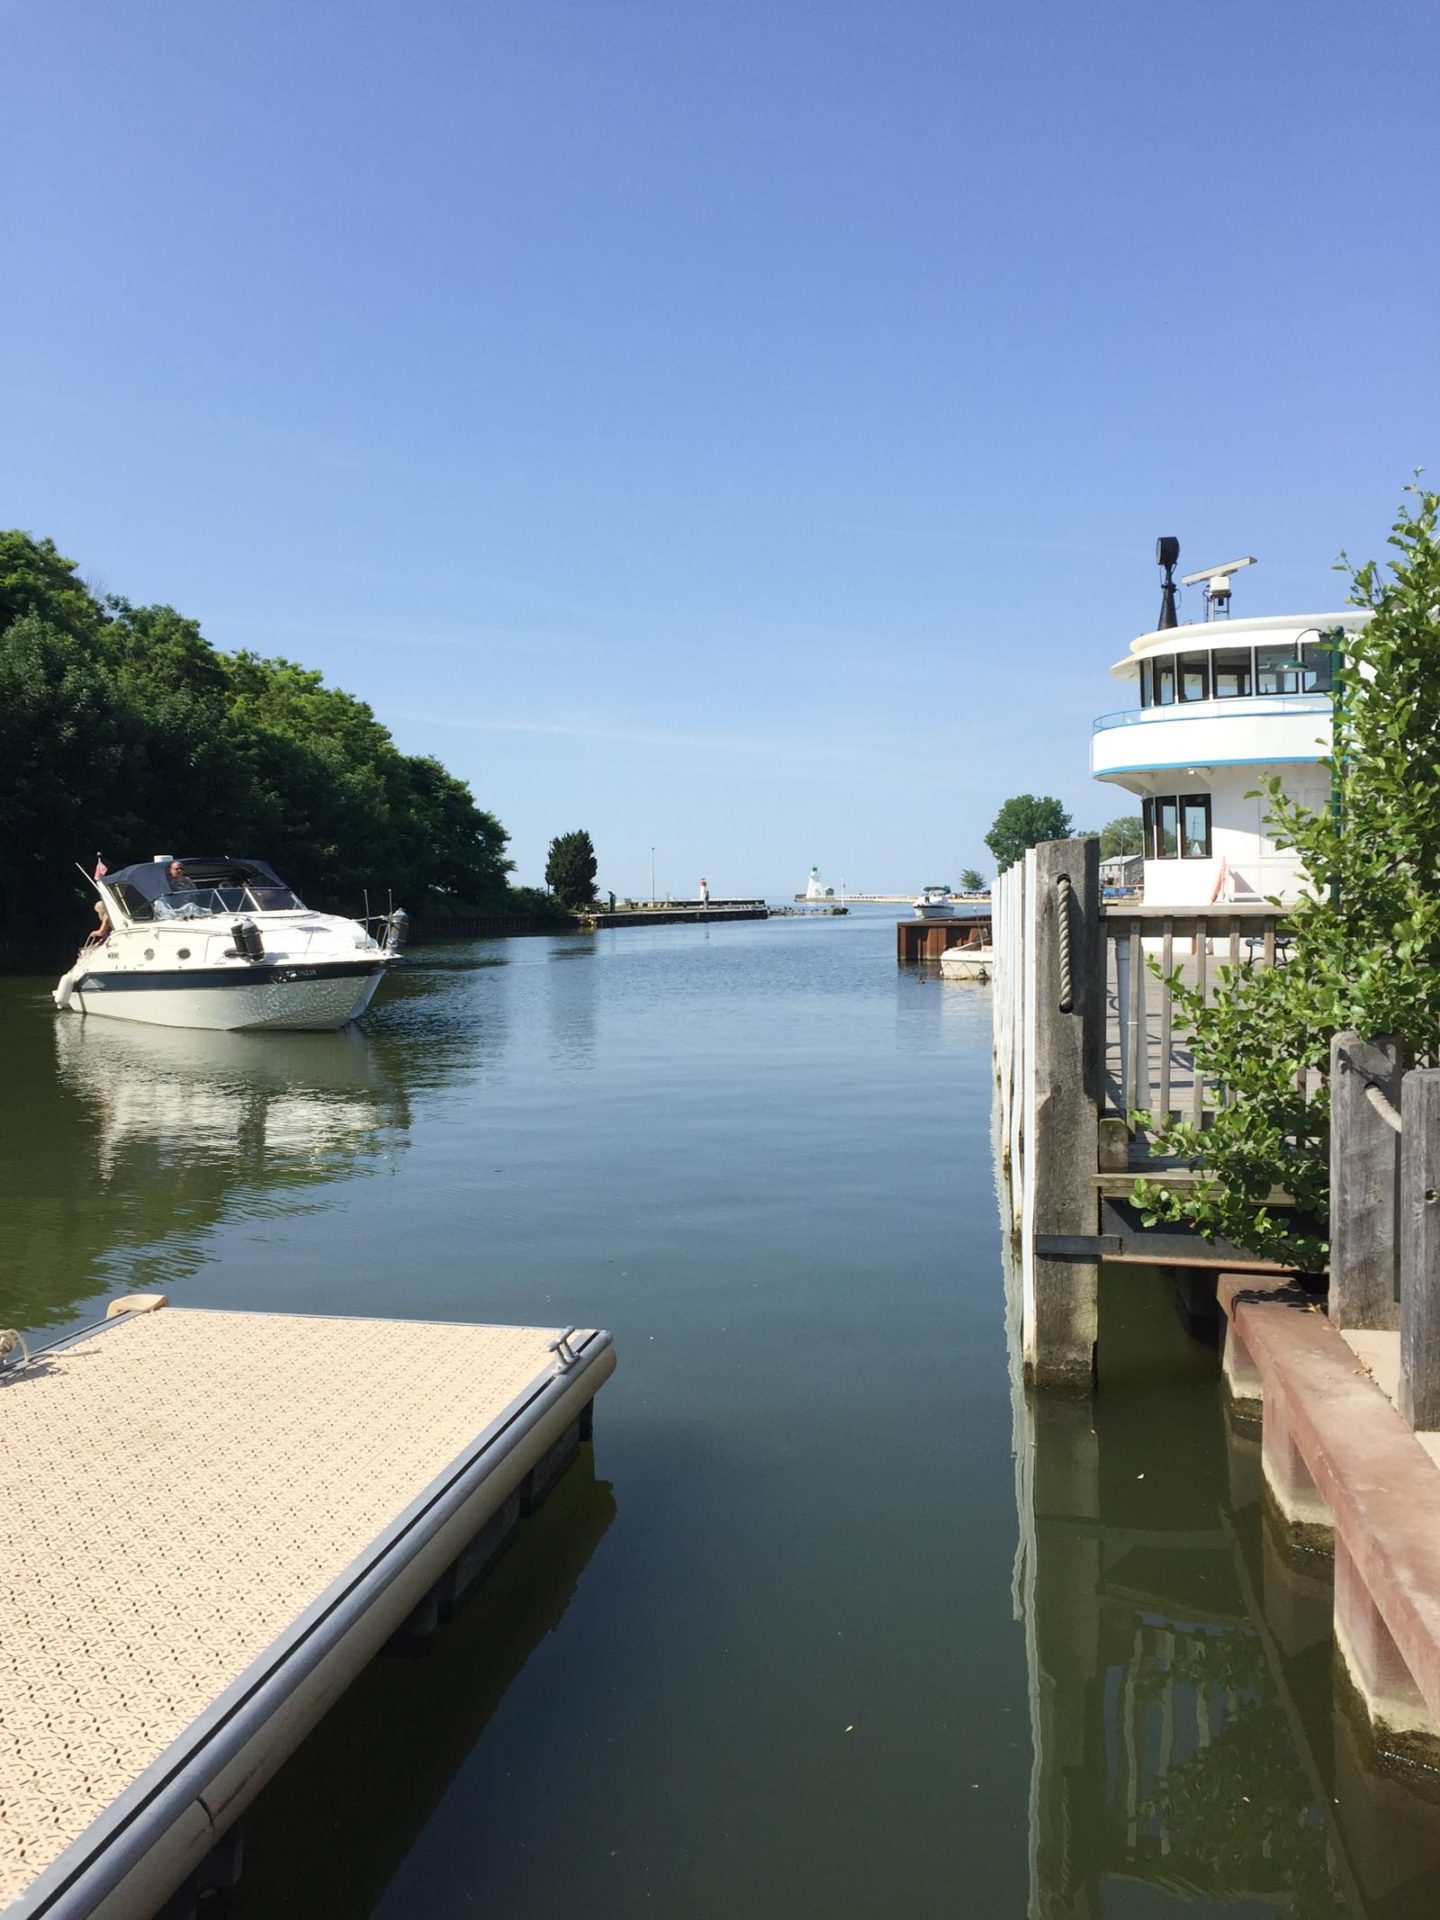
[[1062, 908], [1376, 1095]]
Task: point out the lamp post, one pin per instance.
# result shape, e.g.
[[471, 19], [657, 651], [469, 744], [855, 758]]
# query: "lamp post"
[[652, 876]]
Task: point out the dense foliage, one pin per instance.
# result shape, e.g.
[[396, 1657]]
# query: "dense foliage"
[[972, 880], [1122, 835], [123, 731], [1023, 822], [1366, 940], [570, 868]]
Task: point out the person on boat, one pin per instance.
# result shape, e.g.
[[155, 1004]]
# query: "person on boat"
[[102, 931], [177, 881]]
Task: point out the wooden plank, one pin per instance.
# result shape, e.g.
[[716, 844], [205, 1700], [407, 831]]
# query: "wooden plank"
[[1364, 1184], [1270, 942], [1197, 1079], [1174, 1244], [1420, 1249], [1136, 1095], [1116, 1185], [1167, 967]]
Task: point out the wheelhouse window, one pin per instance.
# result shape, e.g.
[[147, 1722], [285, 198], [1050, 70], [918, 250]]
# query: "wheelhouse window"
[[1317, 667], [1177, 826], [1195, 826], [1232, 673], [1192, 673], [1277, 670]]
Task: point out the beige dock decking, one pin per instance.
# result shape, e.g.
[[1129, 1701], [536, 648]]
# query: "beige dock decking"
[[189, 1497]]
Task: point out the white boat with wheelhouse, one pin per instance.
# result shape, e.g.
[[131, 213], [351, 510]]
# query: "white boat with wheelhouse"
[[1222, 706], [222, 943]]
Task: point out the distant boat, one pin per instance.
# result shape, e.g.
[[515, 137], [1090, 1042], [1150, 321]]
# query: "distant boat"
[[935, 903]]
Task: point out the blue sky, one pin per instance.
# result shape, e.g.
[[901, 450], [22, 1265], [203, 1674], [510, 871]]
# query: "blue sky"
[[739, 428]]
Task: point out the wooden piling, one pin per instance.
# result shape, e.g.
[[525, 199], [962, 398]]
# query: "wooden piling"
[[1364, 1183], [1420, 1249], [1061, 1324]]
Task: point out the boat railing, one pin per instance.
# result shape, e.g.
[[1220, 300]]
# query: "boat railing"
[[1245, 704]]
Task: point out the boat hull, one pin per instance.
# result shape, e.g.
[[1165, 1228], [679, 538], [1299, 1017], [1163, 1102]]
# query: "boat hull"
[[297, 998], [968, 963]]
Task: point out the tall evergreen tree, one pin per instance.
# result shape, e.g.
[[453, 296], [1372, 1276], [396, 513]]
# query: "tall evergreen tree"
[[570, 868]]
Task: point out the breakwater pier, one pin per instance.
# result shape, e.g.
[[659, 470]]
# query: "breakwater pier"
[[673, 913]]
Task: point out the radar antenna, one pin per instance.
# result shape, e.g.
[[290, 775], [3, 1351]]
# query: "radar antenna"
[[1217, 585]]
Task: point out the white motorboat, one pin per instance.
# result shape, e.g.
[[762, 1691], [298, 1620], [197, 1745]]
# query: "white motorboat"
[[223, 943], [935, 903], [967, 963]]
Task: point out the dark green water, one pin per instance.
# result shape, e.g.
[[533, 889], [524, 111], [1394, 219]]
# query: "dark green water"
[[769, 1649]]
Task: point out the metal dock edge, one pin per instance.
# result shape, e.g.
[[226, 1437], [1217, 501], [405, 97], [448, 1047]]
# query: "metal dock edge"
[[126, 1860]]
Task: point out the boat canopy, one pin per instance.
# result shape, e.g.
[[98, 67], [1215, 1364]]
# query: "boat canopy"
[[212, 884]]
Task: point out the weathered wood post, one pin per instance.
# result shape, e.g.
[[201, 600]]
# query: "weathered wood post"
[[1420, 1249], [1062, 1152], [1364, 1182]]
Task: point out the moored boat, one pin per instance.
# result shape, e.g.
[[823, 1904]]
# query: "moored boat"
[[967, 963], [222, 943], [935, 903]]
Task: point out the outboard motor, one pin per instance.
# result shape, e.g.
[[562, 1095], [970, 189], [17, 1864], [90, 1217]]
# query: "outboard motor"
[[397, 931], [248, 943]]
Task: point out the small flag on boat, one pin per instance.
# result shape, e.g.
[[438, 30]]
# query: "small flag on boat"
[[100, 868]]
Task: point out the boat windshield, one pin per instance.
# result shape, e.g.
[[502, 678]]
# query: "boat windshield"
[[199, 903], [200, 889]]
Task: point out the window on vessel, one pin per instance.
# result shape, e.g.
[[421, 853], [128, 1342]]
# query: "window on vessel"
[[1145, 683], [1193, 673], [1277, 670], [1166, 829], [1232, 673], [1317, 667], [1147, 828], [1164, 680], [1195, 826]]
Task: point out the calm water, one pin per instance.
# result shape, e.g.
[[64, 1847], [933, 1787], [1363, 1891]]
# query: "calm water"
[[773, 1648]]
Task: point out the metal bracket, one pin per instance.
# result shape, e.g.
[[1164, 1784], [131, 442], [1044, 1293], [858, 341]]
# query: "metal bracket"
[[565, 1356], [1077, 1246]]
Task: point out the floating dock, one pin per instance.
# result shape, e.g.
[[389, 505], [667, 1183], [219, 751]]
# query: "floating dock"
[[209, 1522]]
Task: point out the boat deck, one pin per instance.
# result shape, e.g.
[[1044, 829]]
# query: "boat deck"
[[208, 1522]]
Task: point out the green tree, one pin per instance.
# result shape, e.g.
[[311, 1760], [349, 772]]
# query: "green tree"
[[571, 867], [1023, 822], [123, 730], [1365, 942], [972, 880], [1124, 835], [34, 578]]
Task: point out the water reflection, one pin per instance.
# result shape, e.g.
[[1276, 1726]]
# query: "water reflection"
[[1184, 1730], [373, 1798], [573, 980], [134, 1141]]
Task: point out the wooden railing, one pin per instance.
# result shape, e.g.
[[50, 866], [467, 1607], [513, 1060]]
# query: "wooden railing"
[[1149, 1067]]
